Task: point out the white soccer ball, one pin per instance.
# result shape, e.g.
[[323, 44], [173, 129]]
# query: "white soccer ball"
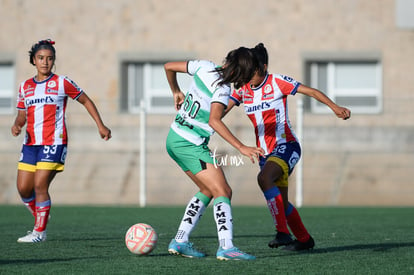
[[141, 239]]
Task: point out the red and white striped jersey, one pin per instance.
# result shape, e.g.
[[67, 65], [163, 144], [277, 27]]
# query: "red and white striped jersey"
[[266, 106], [45, 106]]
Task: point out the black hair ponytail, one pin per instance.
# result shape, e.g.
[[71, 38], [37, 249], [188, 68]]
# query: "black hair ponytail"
[[239, 67], [262, 57]]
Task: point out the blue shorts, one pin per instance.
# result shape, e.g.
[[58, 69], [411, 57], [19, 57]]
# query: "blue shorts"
[[45, 157], [286, 155]]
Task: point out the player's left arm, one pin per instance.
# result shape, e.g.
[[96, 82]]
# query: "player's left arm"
[[339, 111], [104, 131]]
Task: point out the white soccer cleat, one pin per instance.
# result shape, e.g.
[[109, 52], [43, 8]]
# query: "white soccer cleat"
[[33, 237]]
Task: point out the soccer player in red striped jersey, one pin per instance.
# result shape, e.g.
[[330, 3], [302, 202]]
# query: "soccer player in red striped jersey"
[[265, 103], [41, 106]]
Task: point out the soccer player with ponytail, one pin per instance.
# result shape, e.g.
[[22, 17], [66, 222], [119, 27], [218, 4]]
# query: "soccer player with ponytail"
[[199, 115], [265, 103], [41, 106]]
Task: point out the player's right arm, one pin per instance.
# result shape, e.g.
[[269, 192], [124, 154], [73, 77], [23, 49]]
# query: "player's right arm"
[[215, 122], [19, 122], [171, 69]]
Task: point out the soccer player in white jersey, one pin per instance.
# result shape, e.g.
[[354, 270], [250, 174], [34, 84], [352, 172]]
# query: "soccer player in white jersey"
[[41, 106], [199, 115], [265, 103]]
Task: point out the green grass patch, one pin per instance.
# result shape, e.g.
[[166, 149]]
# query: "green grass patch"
[[90, 240]]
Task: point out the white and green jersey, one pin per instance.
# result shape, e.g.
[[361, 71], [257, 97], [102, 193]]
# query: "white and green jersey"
[[191, 121]]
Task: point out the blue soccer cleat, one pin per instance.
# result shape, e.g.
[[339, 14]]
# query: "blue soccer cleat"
[[184, 249], [233, 254]]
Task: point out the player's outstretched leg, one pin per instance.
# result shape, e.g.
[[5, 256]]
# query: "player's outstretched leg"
[[275, 204], [180, 245], [303, 241]]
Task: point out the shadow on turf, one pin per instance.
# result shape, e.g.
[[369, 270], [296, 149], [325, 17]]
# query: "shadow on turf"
[[74, 239], [42, 261], [380, 247]]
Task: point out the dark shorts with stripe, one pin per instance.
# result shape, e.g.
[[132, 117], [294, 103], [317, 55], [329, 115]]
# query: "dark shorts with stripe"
[[43, 157]]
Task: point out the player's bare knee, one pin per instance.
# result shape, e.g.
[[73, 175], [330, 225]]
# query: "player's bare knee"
[[25, 192], [264, 181]]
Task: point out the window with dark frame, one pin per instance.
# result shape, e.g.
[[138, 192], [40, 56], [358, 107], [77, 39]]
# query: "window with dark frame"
[[145, 81], [7, 88], [353, 83]]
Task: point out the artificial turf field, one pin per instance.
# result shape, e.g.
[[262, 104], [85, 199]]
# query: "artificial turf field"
[[90, 240]]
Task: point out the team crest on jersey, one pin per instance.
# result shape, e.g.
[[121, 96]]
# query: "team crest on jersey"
[[267, 92], [239, 92], [51, 84], [50, 88]]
